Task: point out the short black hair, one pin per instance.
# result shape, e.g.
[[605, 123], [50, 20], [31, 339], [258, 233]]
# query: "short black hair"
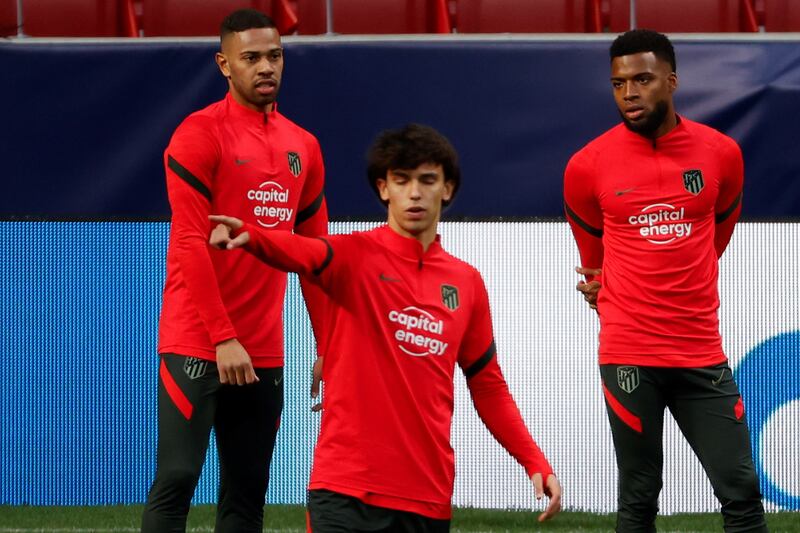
[[244, 19], [409, 147], [637, 41]]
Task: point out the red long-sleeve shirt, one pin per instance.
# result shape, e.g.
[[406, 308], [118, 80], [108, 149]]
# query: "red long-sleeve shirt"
[[264, 169], [656, 215], [404, 319]]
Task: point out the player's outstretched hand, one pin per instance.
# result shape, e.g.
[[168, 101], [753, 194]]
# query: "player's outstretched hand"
[[316, 379], [234, 364], [552, 489], [221, 234], [589, 290]]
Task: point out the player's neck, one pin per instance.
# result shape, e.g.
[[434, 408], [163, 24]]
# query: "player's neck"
[[669, 124], [249, 105], [425, 237]]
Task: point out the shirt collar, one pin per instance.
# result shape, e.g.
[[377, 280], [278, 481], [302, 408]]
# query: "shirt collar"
[[407, 247], [245, 113], [673, 134]]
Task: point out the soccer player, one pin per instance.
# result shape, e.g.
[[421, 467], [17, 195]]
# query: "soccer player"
[[221, 332], [652, 204], [408, 312]]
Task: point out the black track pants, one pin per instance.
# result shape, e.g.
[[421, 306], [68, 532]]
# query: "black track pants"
[[191, 401], [705, 403], [331, 512]]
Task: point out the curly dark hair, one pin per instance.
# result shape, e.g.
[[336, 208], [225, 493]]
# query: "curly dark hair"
[[637, 41], [409, 147]]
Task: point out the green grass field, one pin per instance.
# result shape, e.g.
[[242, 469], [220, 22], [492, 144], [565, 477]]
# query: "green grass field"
[[286, 518]]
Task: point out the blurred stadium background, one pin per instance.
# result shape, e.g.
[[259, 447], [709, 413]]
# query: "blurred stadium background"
[[94, 89]]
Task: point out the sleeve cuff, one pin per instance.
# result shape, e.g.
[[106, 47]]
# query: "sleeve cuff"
[[542, 468], [225, 335]]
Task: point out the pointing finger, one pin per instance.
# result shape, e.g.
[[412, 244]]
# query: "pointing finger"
[[231, 222]]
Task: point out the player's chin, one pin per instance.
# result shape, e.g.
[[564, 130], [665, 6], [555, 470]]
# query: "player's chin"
[[415, 227], [263, 99], [633, 124], [643, 125]]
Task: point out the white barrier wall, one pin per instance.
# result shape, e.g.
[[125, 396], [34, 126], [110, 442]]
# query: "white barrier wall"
[[78, 416], [547, 343]]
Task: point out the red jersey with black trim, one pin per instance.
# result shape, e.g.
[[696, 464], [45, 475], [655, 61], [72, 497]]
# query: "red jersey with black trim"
[[262, 168], [405, 318], [656, 215]]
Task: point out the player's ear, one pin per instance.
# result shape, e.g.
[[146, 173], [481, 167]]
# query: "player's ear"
[[449, 186], [222, 63], [672, 82], [383, 189]]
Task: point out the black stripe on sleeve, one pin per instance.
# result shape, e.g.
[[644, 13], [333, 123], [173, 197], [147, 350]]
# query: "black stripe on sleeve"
[[481, 363], [311, 210], [589, 229], [328, 258], [188, 177], [720, 218]]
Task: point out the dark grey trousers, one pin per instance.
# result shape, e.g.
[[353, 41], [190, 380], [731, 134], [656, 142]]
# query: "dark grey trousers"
[[191, 401], [706, 404], [331, 512]]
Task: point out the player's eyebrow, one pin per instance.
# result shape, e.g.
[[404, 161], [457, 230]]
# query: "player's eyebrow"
[[634, 75], [262, 52]]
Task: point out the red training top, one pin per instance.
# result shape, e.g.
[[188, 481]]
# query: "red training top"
[[264, 169], [656, 215], [404, 319]]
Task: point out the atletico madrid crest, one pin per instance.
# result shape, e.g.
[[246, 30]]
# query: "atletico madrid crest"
[[450, 297], [693, 181], [628, 378], [195, 367], [295, 167]]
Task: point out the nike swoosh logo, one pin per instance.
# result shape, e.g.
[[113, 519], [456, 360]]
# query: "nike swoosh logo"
[[384, 277], [624, 191], [717, 381], [241, 161], [278, 381]]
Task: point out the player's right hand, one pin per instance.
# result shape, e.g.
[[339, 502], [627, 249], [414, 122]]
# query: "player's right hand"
[[221, 235], [553, 491], [234, 364], [590, 289], [316, 379]]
